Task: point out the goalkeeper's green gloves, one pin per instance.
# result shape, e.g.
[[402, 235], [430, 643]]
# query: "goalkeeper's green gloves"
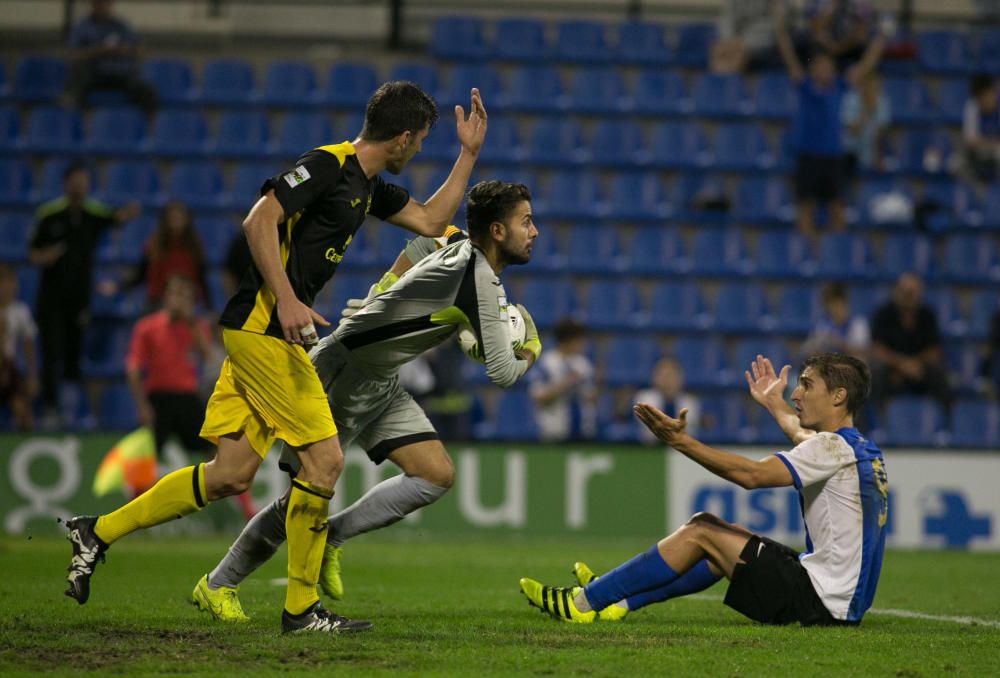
[[531, 343]]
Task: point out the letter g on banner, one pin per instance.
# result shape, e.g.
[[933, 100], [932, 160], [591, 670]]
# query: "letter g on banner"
[[42, 500]]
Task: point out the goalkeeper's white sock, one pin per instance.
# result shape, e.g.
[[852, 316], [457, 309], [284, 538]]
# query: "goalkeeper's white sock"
[[258, 541], [384, 504]]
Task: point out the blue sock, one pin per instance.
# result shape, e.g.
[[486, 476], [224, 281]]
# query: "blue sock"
[[698, 578], [645, 571]]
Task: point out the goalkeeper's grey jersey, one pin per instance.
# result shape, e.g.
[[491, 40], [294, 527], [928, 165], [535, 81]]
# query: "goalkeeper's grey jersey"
[[426, 306]]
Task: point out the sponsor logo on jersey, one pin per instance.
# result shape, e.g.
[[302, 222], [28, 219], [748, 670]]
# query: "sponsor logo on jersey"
[[297, 176]]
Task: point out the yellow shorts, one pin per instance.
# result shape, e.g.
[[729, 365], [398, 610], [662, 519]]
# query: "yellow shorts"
[[268, 389]]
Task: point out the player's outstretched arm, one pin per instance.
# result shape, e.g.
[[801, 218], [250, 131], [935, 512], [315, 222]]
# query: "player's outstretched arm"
[[747, 473], [768, 389], [792, 64], [432, 217]]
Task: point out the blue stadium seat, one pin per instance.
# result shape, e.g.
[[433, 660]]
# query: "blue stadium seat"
[[599, 90], [657, 250], [459, 38], [613, 305], [719, 252], [971, 259], [461, 81], [909, 99], [913, 421], [117, 409], [944, 52], [52, 129], [774, 97], [982, 306], [348, 85], [572, 194], [15, 183], [513, 405], [951, 98], [179, 133], [197, 184], [389, 241], [763, 200], [547, 254], [742, 146], [9, 128], [345, 285], [171, 78], [519, 39], [289, 84], [216, 233], [128, 242], [14, 233], [703, 361], [642, 43], [131, 180], [874, 196], [741, 308], [991, 207], [964, 362], [116, 131], [946, 307], [781, 254], [718, 95], [679, 145], [638, 196], [581, 41], [300, 131], [534, 89], [924, 152], [245, 184], [441, 145], [50, 185], [594, 249], [797, 311], [843, 256], [976, 423], [422, 75], [659, 92], [724, 420], [618, 143], [4, 85], [693, 43], [226, 82], [548, 300], [629, 360], [957, 203], [39, 79], [241, 134], [558, 142], [746, 351], [988, 51], [701, 198], [902, 252], [505, 145], [676, 306]]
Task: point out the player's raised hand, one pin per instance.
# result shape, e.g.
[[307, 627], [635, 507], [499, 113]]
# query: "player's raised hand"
[[664, 427], [298, 322], [765, 385], [471, 131]]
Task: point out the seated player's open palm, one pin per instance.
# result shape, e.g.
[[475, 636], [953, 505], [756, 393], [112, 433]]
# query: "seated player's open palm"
[[471, 132], [298, 322], [664, 427], [765, 385]]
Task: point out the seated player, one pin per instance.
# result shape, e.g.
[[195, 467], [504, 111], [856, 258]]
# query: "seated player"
[[359, 364], [843, 487]]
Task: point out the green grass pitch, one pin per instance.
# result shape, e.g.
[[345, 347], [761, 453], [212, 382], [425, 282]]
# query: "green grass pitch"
[[451, 607]]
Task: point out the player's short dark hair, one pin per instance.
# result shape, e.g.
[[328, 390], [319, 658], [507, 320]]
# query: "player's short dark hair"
[[73, 167], [568, 329], [980, 83], [490, 201], [843, 371], [396, 107]]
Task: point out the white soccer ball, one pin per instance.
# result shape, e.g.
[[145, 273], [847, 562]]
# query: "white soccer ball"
[[470, 345]]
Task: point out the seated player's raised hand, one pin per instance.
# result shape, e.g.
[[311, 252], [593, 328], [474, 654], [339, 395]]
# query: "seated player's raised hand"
[[765, 385], [664, 427], [471, 131]]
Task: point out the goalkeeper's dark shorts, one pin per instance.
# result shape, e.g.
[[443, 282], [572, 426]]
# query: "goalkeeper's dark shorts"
[[772, 587]]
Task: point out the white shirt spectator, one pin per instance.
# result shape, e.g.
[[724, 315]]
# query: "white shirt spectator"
[[20, 326], [572, 413]]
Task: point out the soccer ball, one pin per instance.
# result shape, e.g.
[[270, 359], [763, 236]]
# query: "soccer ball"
[[470, 345]]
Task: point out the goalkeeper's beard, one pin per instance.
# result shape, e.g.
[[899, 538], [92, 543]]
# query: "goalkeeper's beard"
[[511, 257]]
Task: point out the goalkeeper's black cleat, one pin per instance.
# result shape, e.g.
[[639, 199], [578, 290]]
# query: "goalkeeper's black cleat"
[[318, 618], [87, 550]]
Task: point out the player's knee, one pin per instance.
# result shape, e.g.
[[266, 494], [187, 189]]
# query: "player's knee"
[[441, 474]]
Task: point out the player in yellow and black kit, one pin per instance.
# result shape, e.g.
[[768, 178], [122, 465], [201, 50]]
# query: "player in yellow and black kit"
[[298, 233]]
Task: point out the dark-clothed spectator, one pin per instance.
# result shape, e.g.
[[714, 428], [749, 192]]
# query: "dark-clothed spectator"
[[842, 28], [174, 248], [981, 129]]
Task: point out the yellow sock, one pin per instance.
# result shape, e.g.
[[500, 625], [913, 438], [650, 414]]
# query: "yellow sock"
[[175, 495], [305, 527]]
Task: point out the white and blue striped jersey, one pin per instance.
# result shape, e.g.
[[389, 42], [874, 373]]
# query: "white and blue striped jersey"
[[843, 490]]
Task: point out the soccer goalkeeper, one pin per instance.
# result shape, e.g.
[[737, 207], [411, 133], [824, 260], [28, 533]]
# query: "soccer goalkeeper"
[[359, 363]]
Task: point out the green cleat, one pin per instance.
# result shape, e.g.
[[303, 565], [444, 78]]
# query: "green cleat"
[[329, 572], [556, 601], [584, 575], [222, 603]]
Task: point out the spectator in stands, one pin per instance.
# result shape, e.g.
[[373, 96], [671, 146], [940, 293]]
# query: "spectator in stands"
[[21, 330], [62, 244], [666, 393], [865, 114], [841, 28], [906, 346], [105, 56], [562, 387], [838, 331], [13, 389], [746, 37], [816, 132], [174, 248], [981, 129]]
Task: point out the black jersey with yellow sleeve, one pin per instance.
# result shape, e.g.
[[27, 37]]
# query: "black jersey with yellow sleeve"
[[326, 198]]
